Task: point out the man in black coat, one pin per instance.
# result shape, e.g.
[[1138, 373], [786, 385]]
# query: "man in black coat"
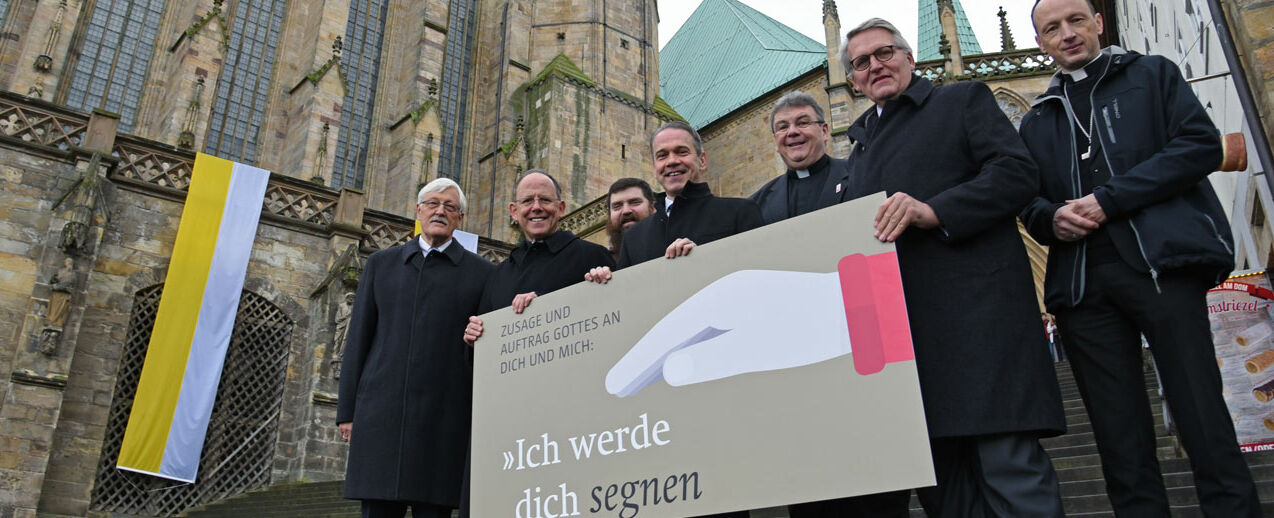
[[686, 213], [957, 174], [629, 200], [548, 258], [813, 180], [1136, 238], [405, 379]]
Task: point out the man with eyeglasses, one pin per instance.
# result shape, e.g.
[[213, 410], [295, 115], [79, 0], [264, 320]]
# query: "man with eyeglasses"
[[405, 379], [957, 174], [1136, 238], [813, 180], [547, 259]]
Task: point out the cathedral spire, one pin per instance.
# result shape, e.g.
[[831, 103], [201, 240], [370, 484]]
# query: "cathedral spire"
[[1006, 35], [829, 11], [930, 29]]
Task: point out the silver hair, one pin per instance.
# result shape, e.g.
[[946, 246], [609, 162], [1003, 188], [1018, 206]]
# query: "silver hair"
[[873, 23], [796, 99], [440, 185]]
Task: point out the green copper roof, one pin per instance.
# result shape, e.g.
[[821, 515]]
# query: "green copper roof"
[[728, 54], [931, 31]]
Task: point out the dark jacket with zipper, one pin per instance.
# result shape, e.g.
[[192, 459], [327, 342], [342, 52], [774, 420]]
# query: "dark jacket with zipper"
[[696, 214], [1159, 146]]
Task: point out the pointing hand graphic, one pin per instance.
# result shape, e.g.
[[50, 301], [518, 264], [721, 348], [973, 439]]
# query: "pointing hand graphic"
[[761, 320]]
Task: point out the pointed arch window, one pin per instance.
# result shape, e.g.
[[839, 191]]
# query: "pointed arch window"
[[239, 107], [360, 60], [119, 40]]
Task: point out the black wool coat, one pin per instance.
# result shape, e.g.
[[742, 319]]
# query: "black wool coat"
[[551, 264], [772, 197], [980, 349], [696, 214], [406, 382]]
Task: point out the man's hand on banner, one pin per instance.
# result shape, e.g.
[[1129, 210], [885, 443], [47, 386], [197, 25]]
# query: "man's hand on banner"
[[600, 275], [522, 300], [678, 248], [473, 331]]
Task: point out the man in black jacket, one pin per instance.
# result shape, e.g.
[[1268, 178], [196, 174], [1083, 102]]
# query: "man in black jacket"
[[405, 378], [548, 258], [1137, 237], [686, 213], [956, 174], [629, 200], [813, 180]]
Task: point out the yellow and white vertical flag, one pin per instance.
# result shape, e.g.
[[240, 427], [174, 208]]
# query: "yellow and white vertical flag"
[[179, 379]]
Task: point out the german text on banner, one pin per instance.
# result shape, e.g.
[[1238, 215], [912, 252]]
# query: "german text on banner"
[[764, 369], [179, 379]]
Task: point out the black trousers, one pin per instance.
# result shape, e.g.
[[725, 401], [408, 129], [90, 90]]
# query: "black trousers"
[[1101, 336], [999, 475], [892, 504], [394, 509]]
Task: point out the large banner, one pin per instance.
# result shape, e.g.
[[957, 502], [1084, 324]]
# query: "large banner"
[[767, 368], [1242, 329], [179, 379]]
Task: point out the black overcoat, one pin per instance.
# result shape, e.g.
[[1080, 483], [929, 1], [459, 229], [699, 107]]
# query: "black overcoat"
[[553, 263], [406, 382], [697, 214], [980, 348]]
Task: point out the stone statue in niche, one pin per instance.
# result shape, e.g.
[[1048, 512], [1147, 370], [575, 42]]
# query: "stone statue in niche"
[[59, 307], [343, 312], [85, 201]]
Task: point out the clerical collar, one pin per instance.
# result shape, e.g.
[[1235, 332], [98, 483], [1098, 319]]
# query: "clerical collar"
[[815, 168], [425, 248], [1083, 72]]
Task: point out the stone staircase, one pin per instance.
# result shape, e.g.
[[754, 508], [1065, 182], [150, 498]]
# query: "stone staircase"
[[1074, 457]]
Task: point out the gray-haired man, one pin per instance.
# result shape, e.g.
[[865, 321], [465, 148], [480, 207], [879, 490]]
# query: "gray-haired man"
[[406, 380], [813, 180]]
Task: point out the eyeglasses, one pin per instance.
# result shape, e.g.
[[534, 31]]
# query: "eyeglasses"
[[529, 201], [883, 54], [434, 204], [783, 126]]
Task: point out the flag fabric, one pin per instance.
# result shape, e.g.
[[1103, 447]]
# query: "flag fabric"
[[188, 343]]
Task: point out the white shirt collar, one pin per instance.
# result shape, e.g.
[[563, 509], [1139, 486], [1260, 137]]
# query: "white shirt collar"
[[425, 248], [667, 206]]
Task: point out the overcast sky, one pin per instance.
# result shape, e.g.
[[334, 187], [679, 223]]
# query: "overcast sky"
[[806, 16]]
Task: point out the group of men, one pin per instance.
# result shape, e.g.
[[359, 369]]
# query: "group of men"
[[1109, 170]]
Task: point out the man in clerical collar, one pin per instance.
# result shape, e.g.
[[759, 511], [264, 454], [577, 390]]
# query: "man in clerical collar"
[[629, 201], [814, 179], [548, 258], [405, 377], [1136, 237]]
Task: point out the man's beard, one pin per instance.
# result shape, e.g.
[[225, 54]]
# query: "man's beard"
[[616, 235]]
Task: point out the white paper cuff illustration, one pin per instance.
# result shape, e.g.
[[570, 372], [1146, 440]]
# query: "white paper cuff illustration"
[[747, 321]]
